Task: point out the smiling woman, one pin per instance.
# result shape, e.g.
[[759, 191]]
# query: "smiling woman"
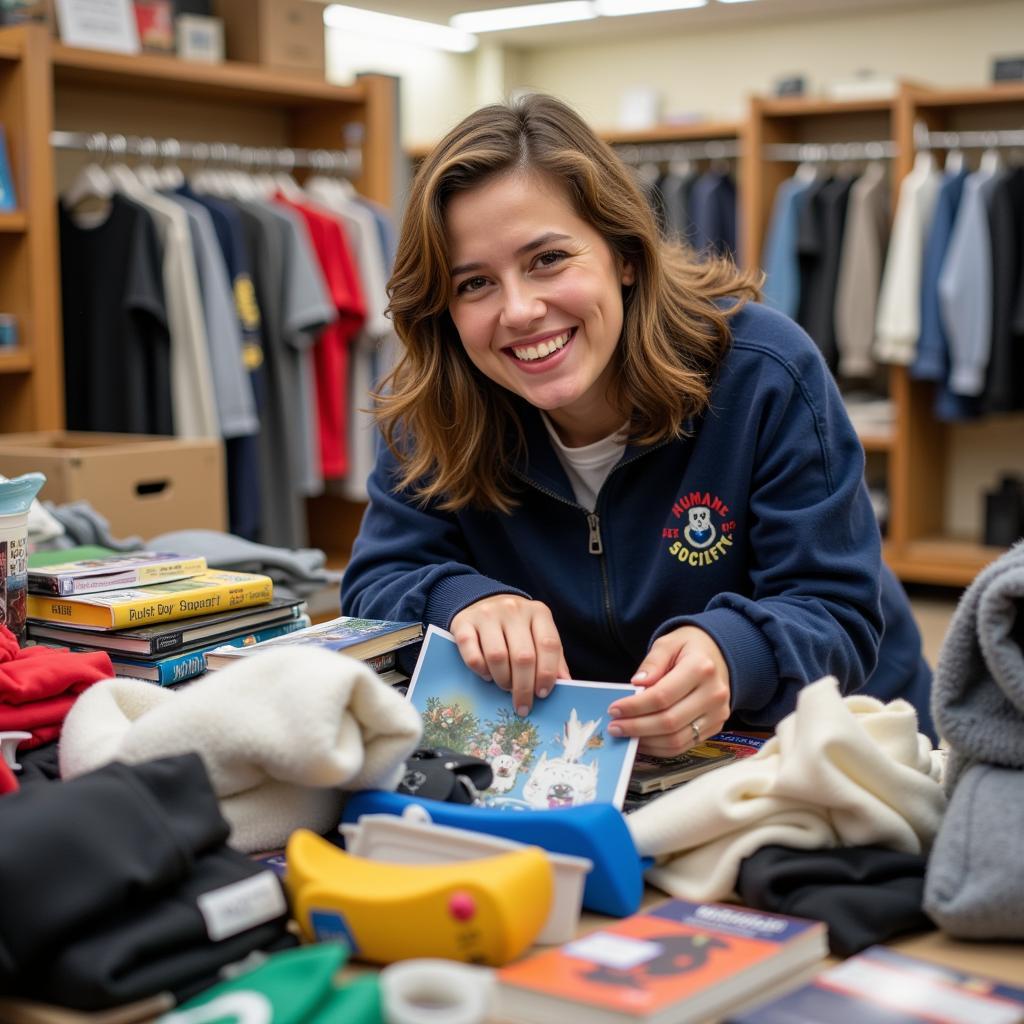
[[603, 455]]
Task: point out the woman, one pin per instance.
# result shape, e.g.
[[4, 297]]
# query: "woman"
[[604, 458]]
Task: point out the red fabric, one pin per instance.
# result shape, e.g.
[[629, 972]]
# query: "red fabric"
[[38, 685], [8, 783], [331, 352]]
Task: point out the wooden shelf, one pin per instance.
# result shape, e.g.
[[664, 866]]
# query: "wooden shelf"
[[877, 442], [694, 131], [945, 561], [13, 221], [15, 360], [987, 96], [805, 106], [233, 80]]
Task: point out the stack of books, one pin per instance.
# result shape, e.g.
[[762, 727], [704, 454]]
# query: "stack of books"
[[156, 615]]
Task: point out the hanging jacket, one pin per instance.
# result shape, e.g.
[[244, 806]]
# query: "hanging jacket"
[[757, 528]]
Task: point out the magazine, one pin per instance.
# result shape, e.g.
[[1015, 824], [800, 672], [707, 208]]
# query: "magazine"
[[560, 755]]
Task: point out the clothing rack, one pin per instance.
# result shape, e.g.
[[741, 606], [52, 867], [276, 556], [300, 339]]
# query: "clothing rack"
[[1004, 139], [338, 161], [658, 152], [830, 152]]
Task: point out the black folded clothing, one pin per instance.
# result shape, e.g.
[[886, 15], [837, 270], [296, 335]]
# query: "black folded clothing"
[[99, 882], [865, 894]]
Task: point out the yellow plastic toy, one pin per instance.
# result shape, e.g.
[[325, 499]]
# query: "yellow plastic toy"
[[485, 911]]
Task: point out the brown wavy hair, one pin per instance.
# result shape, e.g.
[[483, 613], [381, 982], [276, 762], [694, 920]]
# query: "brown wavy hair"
[[455, 432]]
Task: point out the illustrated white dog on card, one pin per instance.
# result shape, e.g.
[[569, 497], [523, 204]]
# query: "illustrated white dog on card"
[[505, 768], [564, 781]]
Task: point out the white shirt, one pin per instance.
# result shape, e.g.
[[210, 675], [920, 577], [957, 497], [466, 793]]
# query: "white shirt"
[[588, 467]]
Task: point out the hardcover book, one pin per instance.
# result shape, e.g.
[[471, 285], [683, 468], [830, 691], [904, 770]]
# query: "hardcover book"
[[560, 755], [210, 591], [112, 572], [675, 963], [358, 638], [176, 668], [151, 642], [880, 986]]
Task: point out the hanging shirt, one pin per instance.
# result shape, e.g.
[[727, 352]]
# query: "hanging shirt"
[[860, 272], [898, 324], [116, 344], [965, 288], [332, 347], [713, 213], [193, 401], [1004, 381], [780, 262], [819, 243]]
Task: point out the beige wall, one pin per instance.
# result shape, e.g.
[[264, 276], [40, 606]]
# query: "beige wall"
[[710, 72], [713, 72]]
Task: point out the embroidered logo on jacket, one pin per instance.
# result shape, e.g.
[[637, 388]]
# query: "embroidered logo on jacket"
[[705, 531]]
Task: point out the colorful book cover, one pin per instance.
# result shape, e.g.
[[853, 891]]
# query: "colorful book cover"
[[149, 642], [179, 667], [679, 961], [657, 774], [881, 986], [358, 638], [560, 755], [207, 592], [112, 572]]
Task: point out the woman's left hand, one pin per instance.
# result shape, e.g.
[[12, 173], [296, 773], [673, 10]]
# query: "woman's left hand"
[[685, 698]]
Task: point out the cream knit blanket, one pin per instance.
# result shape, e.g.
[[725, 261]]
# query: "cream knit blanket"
[[837, 772]]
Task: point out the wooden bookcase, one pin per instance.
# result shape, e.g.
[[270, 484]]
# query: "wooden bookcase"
[[45, 85]]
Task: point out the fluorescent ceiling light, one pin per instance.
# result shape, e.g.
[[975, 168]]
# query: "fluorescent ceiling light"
[[523, 17], [735, 1], [618, 8], [392, 27]]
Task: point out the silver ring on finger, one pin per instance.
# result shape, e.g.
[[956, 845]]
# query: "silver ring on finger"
[[695, 729]]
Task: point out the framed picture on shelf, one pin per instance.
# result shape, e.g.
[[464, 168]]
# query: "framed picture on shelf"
[[8, 200], [98, 25]]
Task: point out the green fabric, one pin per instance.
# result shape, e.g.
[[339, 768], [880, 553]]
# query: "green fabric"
[[42, 559], [292, 987]]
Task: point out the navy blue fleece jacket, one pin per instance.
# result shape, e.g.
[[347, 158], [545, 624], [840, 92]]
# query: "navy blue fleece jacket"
[[757, 528]]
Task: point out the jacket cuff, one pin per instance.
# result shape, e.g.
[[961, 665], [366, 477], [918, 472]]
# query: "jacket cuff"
[[753, 677], [453, 593]]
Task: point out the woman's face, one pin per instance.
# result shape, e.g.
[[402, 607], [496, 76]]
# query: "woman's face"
[[536, 296]]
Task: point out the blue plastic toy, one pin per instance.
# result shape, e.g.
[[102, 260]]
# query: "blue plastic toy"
[[597, 831]]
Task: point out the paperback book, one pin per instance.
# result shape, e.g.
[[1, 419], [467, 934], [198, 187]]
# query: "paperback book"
[[155, 641], [657, 774], [675, 963], [358, 638], [880, 986], [211, 591], [177, 668], [112, 572], [560, 755]]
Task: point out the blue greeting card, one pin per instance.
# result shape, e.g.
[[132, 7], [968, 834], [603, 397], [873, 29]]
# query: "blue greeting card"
[[560, 755]]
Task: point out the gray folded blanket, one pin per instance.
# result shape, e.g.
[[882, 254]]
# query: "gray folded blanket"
[[978, 691], [301, 571]]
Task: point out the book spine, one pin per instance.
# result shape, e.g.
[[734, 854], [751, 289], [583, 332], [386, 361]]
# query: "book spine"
[[259, 635], [381, 662], [170, 670], [159, 572], [162, 608]]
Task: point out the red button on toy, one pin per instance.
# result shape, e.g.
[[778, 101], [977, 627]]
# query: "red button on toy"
[[461, 906]]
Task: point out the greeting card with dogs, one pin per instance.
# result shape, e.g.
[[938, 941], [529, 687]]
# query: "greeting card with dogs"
[[560, 755]]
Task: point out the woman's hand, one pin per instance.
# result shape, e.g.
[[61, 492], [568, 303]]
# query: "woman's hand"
[[513, 641], [685, 697]]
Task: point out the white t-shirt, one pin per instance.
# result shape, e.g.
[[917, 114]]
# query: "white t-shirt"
[[588, 467]]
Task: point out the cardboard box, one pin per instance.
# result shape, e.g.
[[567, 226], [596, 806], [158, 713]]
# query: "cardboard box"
[[142, 485], [285, 34]]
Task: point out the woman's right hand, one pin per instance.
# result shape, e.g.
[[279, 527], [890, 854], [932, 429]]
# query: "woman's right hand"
[[513, 641]]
